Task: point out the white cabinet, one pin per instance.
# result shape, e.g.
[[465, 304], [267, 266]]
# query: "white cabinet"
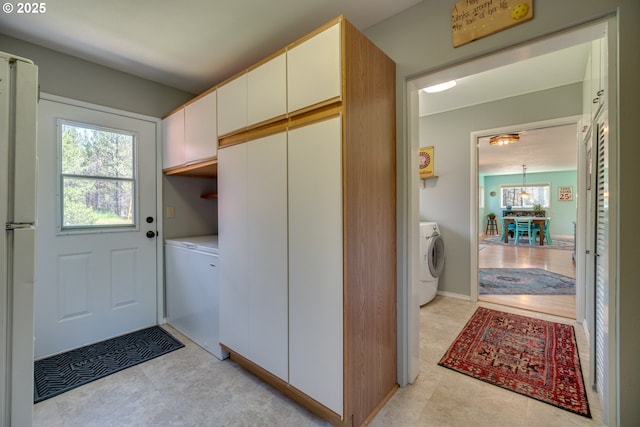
[[267, 244], [314, 70], [315, 262], [307, 226], [252, 189], [173, 139], [267, 90], [189, 134], [594, 84], [200, 134], [232, 106], [234, 255]]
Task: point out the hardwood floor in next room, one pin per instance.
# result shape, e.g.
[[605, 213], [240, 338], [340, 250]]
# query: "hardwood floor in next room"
[[555, 260]]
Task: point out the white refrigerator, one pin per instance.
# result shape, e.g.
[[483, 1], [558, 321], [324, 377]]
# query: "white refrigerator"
[[18, 123]]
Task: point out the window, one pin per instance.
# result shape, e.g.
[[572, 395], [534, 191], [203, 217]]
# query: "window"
[[538, 195], [97, 177]]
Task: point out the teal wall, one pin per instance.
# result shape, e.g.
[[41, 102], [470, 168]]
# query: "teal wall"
[[562, 213]]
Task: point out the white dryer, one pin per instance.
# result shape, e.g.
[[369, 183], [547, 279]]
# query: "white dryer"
[[431, 260]]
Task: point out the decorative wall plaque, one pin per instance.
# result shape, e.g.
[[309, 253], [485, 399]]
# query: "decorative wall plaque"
[[474, 19]]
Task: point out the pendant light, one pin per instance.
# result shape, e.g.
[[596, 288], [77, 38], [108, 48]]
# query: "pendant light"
[[523, 193]]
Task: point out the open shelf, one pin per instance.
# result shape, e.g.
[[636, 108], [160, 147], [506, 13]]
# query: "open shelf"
[[205, 169]]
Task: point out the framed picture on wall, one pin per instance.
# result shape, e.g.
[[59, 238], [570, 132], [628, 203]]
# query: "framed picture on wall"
[[426, 162], [565, 193]]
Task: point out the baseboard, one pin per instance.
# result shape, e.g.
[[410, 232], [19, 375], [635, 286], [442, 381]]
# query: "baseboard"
[[454, 295]]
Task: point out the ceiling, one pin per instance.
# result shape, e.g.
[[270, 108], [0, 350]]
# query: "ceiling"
[[188, 44]]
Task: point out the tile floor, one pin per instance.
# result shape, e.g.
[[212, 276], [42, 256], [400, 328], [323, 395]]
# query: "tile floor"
[[189, 387]]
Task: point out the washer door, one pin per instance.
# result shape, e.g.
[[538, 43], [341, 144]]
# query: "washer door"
[[435, 256]]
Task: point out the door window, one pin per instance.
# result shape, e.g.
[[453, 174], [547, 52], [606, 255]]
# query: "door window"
[[97, 177]]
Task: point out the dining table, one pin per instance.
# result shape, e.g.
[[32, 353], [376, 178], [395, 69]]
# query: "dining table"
[[536, 220]]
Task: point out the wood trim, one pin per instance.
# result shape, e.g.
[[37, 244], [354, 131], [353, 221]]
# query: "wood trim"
[[267, 59], [284, 388], [370, 274], [315, 107], [205, 169], [255, 133]]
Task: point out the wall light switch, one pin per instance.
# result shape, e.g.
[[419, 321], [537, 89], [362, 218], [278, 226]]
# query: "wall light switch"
[[171, 212]]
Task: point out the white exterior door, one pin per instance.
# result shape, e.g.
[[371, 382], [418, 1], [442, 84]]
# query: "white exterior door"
[[96, 248]]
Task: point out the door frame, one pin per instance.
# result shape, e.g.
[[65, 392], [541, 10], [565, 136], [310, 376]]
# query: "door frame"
[[474, 204], [160, 300]]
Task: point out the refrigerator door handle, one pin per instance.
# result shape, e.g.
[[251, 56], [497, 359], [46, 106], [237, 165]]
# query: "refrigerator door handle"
[[18, 225]]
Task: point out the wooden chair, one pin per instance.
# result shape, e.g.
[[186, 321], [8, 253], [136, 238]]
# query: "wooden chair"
[[524, 226]]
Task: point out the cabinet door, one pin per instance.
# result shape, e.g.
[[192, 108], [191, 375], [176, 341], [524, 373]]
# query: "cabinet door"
[[267, 90], [315, 262], [267, 232], [232, 106], [233, 241], [314, 72], [200, 132], [173, 140]]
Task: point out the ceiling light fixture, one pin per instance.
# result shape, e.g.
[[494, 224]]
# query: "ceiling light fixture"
[[440, 87], [506, 139], [523, 193]]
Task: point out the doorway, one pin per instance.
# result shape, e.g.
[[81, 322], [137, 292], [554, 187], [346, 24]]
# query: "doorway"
[[96, 248], [536, 177]]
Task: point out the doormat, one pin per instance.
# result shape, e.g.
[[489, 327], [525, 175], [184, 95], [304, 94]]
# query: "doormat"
[[566, 244], [62, 372], [524, 281], [532, 357]]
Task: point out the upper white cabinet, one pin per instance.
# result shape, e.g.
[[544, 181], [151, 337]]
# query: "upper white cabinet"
[[173, 140], [232, 105], [314, 70], [267, 90], [189, 134], [200, 135]]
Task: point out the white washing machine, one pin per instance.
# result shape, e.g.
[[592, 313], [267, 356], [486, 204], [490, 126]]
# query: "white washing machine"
[[431, 260]]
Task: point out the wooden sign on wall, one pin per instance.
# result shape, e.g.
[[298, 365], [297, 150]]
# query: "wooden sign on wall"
[[473, 19]]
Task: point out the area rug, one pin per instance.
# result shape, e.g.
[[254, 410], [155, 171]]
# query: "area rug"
[[533, 357], [556, 243], [63, 372], [524, 281]]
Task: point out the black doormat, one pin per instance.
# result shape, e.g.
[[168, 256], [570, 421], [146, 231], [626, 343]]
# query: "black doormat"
[[65, 371]]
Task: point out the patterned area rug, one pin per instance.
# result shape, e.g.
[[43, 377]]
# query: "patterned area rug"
[[533, 357], [556, 243], [524, 281], [66, 371]]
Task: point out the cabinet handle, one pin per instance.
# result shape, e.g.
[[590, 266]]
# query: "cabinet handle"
[[600, 92], [596, 100], [212, 265]]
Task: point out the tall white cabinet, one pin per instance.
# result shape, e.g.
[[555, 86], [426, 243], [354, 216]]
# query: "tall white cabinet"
[[307, 225], [316, 261]]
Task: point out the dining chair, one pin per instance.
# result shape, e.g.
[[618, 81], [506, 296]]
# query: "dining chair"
[[524, 226], [510, 227], [547, 231]]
